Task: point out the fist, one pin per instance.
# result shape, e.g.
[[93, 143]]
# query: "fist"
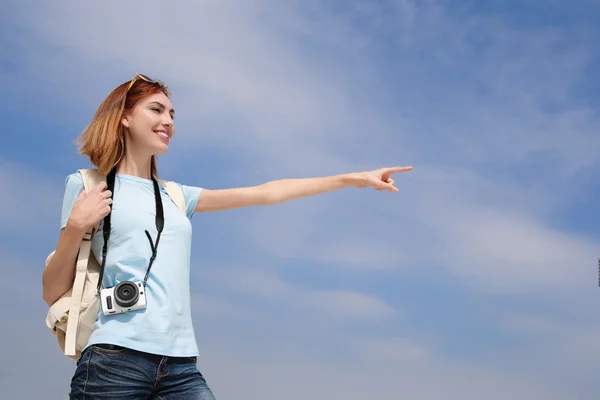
[[90, 208]]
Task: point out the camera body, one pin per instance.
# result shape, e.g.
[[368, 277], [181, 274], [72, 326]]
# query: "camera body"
[[124, 297]]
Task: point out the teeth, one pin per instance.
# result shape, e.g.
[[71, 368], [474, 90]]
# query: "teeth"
[[163, 135]]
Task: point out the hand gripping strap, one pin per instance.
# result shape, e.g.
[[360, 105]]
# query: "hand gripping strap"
[[91, 177]]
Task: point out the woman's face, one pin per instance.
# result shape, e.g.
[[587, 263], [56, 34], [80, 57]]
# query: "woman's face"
[[150, 125]]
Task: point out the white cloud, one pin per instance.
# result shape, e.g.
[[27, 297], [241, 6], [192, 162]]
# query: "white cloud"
[[502, 247], [396, 371], [333, 360], [396, 351], [281, 103], [203, 306], [333, 303], [253, 281], [350, 304], [284, 108], [338, 230], [532, 325], [457, 223]]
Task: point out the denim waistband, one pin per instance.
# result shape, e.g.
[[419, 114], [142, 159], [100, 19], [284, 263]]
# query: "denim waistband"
[[154, 357]]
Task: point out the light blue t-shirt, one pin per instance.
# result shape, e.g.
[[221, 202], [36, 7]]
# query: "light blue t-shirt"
[[164, 327]]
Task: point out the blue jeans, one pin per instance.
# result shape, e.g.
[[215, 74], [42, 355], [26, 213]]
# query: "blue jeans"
[[111, 372]]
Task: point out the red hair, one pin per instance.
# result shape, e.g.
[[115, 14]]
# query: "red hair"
[[103, 141]]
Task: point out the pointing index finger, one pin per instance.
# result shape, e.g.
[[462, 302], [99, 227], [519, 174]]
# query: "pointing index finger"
[[394, 170]]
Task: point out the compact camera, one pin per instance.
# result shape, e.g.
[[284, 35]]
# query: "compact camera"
[[126, 296]]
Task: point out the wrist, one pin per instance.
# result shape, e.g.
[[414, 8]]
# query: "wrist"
[[75, 228], [352, 179]]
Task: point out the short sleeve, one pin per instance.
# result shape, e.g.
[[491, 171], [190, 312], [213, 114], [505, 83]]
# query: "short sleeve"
[[74, 186], [191, 195]]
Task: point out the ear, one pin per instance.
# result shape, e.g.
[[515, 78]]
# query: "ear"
[[125, 121]]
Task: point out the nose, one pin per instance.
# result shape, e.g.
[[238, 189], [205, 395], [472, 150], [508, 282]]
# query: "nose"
[[168, 122]]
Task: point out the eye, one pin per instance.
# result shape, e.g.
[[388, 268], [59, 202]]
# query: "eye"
[[156, 109]]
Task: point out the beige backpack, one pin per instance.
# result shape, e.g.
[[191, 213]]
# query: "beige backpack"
[[72, 317]]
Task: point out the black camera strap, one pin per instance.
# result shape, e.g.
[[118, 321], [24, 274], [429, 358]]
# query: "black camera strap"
[[159, 220]]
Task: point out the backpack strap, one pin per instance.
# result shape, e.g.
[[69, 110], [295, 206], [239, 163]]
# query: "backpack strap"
[[175, 193], [91, 177], [77, 294]]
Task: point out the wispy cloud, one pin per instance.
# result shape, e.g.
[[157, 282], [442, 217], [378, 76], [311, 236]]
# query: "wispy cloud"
[[329, 302]]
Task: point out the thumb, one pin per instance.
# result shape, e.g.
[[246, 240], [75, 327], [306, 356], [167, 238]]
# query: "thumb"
[[380, 185], [387, 186]]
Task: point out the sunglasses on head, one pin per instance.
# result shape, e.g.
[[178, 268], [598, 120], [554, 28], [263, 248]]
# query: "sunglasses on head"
[[149, 80]]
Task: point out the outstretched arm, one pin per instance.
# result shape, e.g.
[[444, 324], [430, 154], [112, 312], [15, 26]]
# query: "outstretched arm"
[[278, 191]]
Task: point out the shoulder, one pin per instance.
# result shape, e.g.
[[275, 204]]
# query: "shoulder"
[[85, 177], [191, 195], [74, 178], [189, 191], [74, 182], [73, 186]]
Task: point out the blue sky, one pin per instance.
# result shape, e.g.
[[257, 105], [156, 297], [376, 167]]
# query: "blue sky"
[[479, 276]]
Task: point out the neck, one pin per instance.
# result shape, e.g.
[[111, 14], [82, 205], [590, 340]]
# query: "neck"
[[135, 165]]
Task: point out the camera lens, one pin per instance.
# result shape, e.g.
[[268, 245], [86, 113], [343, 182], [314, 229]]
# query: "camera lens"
[[126, 294]]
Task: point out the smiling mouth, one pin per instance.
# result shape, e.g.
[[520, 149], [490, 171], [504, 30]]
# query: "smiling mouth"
[[163, 135]]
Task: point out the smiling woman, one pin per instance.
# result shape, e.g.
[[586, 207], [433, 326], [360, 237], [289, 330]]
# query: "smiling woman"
[[145, 103], [142, 343]]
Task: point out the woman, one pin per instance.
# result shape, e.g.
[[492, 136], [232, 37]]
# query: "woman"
[[150, 352]]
